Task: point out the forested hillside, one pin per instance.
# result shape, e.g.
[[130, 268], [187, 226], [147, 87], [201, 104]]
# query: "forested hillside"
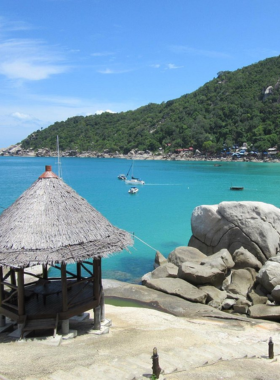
[[236, 107]]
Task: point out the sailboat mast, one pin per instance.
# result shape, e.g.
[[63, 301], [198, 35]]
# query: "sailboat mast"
[[58, 158]]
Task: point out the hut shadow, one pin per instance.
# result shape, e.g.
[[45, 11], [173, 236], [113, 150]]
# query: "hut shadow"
[[81, 328]]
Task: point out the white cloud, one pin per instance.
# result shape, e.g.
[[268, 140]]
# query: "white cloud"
[[12, 26], [21, 116], [110, 71], [99, 112], [171, 66], [106, 71], [20, 69], [156, 66], [29, 60]]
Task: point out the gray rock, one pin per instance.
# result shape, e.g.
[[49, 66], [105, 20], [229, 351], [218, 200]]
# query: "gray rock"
[[226, 281], [221, 260], [241, 309], [159, 260], [200, 274], [213, 294], [257, 296], [143, 296], [178, 287], [228, 303], [276, 294], [269, 275], [276, 259], [265, 312], [242, 281], [182, 254], [215, 304], [146, 277], [168, 270], [244, 259], [232, 225]]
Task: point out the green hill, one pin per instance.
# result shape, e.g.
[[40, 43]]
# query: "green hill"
[[236, 107]]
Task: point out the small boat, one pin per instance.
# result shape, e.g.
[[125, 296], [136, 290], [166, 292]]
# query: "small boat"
[[133, 190], [133, 180], [236, 188], [122, 177]]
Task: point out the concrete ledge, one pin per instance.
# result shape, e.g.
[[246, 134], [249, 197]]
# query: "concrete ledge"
[[71, 335]]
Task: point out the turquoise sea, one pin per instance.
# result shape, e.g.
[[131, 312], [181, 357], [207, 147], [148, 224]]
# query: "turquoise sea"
[[160, 213]]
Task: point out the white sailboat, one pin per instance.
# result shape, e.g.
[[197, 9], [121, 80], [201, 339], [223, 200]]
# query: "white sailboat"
[[59, 168], [133, 180]]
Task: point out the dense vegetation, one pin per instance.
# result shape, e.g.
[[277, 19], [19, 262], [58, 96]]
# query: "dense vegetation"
[[230, 109]]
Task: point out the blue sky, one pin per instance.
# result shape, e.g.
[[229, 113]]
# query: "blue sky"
[[62, 58]]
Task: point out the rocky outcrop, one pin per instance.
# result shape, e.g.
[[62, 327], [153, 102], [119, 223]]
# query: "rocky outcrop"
[[221, 260], [269, 275], [254, 226], [198, 274], [182, 254], [242, 281], [167, 270], [244, 259], [237, 267], [159, 260], [178, 287]]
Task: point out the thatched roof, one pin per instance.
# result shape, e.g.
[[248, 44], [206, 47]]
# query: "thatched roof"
[[50, 223]]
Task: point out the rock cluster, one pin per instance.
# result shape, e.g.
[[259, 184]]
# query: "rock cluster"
[[232, 262]]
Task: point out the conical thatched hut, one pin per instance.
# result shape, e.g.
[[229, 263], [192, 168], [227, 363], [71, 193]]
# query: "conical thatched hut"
[[51, 225]]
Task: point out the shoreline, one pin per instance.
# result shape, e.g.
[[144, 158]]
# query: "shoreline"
[[17, 151]]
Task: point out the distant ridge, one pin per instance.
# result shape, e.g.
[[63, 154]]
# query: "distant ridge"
[[235, 107]]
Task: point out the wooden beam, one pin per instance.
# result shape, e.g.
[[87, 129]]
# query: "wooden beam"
[[64, 288], [21, 306]]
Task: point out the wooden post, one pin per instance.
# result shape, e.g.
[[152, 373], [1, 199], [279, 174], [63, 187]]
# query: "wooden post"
[[21, 306], [102, 304], [65, 323], [79, 271], [270, 349], [2, 317], [13, 276], [156, 368], [64, 287], [45, 271], [96, 279]]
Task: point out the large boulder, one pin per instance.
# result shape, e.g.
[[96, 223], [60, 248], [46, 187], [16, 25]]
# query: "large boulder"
[[178, 287], [182, 254], [244, 259], [258, 295], [242, 281], [167, 270], [232, 225], [213, 294], [221, 260], [269, 275], [265, 312], [198, 274]]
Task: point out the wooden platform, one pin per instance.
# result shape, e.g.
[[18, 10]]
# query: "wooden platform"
[[47, 302]]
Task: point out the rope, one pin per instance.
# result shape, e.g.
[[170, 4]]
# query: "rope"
[[142, 241]]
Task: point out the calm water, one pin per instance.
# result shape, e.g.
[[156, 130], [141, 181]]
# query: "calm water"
[[160, 213]]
